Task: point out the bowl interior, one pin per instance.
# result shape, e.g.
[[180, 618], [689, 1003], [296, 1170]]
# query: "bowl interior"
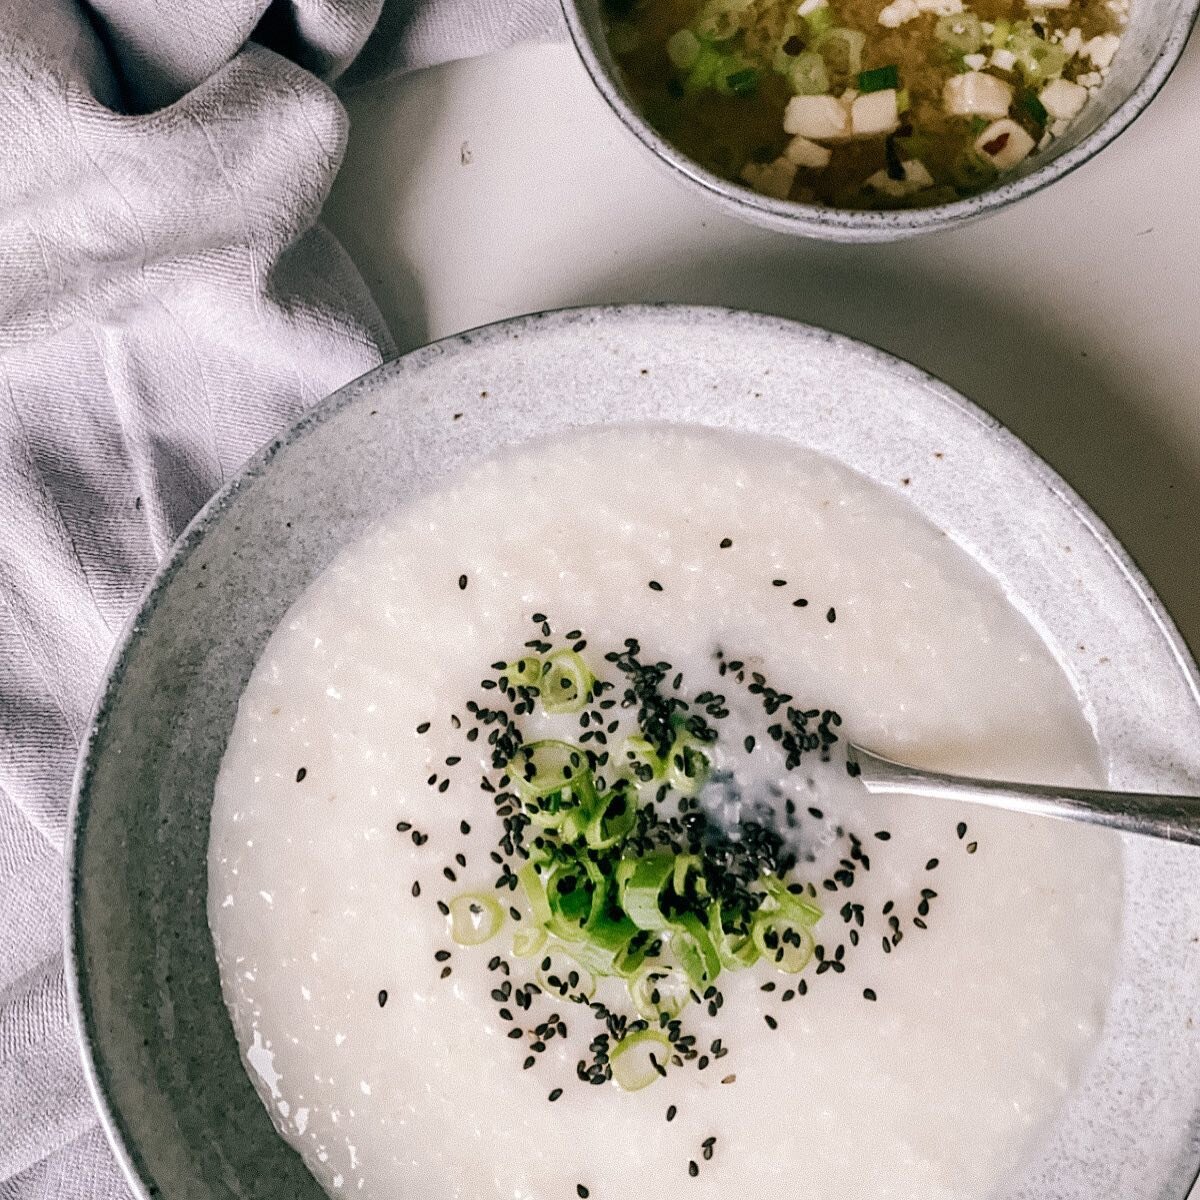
[[160, 1049], [1151, 44]]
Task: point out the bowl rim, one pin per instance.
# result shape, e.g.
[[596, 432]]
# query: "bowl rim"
[[816, 220], [357, 390]]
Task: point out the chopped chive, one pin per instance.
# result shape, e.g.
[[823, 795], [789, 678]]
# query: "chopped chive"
[[879, 79]]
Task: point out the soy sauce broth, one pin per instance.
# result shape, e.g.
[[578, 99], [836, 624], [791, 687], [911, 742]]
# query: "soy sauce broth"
[[733, 134]]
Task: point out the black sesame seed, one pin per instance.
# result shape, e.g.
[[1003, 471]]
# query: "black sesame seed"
[[441, 955], [528, 1063], [931, 864], [464, 828], [801, 603], [416, 888], [403, 826], [770, 1020], [749, 744], [779, 583], [972, 847], [693, 1168], [554, 1095], [423, 727], [655, 586], [382, 997], [445, 973], [462, 583], [726, 543], [869, 994], [581, 1191], [300, 774], [672, 1110], [831, 615], [961, 830]]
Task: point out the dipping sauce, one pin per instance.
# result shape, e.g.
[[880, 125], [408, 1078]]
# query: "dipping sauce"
[[863, 103], [913, 1039]]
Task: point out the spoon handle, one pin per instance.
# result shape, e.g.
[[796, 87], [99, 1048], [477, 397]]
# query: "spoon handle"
[[1172, 818]]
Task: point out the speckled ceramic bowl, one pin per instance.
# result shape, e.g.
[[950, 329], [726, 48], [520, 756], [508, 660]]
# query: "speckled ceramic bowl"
[[158, 1046], [1151, 45]]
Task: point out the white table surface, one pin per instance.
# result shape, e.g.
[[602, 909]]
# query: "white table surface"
[[504, 185]]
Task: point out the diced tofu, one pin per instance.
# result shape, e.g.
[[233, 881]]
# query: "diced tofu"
[[1003, 60], [818, 118], [1063, 99], [977, 94], [771, 179], [804, 153], [1004, 144], [874, 113], [810, 6], [1073, 42], [1041, 5], [943, 8], [975, 61], [916, 177], [1101, 49], [898, 12]]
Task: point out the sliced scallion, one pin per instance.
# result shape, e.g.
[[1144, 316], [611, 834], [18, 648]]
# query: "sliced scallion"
[[960, 31], [611, 818], [525, 672], [695, 952], [808, 75], [683, 48], [688, 764], [474, 919], [558, 968], [658, 989], [552, 777], [785, 943], [642, 759], [642, 887], [640, 1058], [528, 940], [566, 684]]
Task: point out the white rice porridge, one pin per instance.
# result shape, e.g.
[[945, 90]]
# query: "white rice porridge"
[[381, 1048]]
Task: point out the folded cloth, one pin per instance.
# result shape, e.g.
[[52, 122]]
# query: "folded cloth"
[[167, 302]]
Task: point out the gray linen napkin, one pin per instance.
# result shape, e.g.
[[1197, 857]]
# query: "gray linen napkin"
[[167, 302]]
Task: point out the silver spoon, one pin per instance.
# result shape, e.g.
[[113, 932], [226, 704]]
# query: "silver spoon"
[[1174, 818]]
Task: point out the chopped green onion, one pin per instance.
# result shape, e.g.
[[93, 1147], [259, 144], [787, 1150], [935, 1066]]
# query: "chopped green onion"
[[880, 79], [779, 899], [535, 893], [1033, 108], [960, 31], [688, 764], [474, 919], [552, 777], [567, 683], [1000, 34], [809, 76], [683, 48], [695, 951], [903, 101], [658, 989], [613, 815], [556, 969], [528, 940], [820, 21], [1039, 60], [641, 891], [784, 942], [842, 50], [525, 672], [642, 759], [743, 82], [687, 877], [638, 1059], [736, 950]]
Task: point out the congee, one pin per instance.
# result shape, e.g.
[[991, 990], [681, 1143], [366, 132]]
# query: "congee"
[[863, 103], [538, 868]]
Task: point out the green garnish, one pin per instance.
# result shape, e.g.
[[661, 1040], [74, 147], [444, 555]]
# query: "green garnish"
[[743, 82], [880, 79], [474, 919], [1033, 108], [566, 683], [640, 1058]]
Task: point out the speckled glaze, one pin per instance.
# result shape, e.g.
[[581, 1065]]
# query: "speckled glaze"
[[1151, 45], [158, 1047]]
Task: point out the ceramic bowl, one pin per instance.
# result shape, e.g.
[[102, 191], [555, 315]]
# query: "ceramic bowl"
[[1151, 45], [158, 1046]]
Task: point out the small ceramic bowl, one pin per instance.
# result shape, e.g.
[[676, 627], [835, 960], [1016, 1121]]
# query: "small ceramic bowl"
[[159, 1049], [1150, 47]]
